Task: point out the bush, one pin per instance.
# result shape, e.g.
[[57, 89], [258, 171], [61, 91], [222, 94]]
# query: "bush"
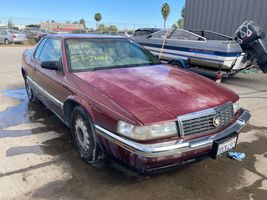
[[32, 41]]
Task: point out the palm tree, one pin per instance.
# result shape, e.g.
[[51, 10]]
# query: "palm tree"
[[98, 18], [165, 11]]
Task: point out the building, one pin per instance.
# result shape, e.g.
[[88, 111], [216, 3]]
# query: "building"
[[224, 16], [61, 27], [20, 26]]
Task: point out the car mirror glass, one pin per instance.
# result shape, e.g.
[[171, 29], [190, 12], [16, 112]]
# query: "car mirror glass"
[[52, 65]]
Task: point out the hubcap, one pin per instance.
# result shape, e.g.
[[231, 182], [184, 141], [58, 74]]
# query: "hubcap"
[[82, 135]]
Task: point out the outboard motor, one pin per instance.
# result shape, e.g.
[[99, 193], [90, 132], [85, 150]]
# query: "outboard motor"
[[249, 36]]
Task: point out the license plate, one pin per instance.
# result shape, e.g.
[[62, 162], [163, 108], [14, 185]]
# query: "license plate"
[[220, 147]]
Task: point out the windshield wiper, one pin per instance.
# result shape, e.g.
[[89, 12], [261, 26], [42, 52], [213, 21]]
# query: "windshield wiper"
[[122, 66]]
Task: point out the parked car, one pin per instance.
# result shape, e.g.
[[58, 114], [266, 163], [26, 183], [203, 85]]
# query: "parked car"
[[8, 36], [119, 101], [145, 31], [35, 34]]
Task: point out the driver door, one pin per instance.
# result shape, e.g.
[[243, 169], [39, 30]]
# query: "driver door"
[[49, 82]]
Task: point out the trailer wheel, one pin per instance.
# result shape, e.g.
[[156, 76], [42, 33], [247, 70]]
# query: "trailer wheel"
[[178, 64]]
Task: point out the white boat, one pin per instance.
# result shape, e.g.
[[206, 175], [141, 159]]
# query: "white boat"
[[207, 50]]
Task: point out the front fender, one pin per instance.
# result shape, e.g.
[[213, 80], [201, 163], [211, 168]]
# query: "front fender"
[[73, 101]]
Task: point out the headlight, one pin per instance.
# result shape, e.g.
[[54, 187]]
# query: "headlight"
[[147, 132], [236, 106]]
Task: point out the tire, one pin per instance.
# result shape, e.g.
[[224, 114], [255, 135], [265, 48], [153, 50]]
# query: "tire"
[[84, 137], [6, 41], [32, 98], [176, 63]]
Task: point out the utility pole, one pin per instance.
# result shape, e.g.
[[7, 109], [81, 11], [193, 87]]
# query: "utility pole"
[[11, 21]]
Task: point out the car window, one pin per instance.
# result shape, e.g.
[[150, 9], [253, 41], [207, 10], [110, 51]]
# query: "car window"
[[39, 49], [51, 50], [94, 54]]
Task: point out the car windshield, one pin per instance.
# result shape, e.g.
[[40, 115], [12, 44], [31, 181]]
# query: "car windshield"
[[86, 54]]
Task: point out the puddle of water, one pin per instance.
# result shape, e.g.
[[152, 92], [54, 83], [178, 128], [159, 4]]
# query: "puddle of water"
[[14, 151], [16, 114], [31, 113], [27, 113], [17, 133], [55, 146]]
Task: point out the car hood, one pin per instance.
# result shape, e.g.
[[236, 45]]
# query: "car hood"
[[158, 93]]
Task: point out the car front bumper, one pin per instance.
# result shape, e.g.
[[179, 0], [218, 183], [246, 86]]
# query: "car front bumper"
[[165, 153]]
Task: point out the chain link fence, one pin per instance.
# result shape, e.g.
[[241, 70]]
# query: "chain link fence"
[[21, 22]]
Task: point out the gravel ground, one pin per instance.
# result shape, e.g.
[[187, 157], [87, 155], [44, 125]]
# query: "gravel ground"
[[38, 160]]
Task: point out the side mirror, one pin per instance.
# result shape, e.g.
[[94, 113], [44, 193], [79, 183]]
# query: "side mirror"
[[53, 65]]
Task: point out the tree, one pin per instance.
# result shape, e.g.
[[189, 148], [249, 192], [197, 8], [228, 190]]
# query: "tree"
[[165, 11], [53, 21], [98, 18], [180, 22], [82, 21], [75, 22], [101, 27], [112, 28], [182, 12]]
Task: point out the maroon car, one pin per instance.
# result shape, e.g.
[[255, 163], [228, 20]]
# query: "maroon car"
[[120, 101]]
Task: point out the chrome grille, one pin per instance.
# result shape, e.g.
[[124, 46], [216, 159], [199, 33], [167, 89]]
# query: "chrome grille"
[[201, 122]]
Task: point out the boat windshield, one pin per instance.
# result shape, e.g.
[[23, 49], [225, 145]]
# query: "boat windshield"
[[87, 54], [180, 34], [161, 34], [176, 34]]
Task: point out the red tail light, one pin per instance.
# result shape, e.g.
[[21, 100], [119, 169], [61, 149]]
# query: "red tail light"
[[13, 36]]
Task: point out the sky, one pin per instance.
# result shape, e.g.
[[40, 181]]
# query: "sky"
[[123, 13]]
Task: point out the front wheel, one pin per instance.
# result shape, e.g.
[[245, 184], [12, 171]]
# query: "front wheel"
[[84, 136]]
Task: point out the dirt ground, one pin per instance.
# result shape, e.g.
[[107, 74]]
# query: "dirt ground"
[[38, 160]]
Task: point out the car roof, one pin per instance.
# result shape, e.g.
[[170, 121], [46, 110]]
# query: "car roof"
[[88, 35]]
